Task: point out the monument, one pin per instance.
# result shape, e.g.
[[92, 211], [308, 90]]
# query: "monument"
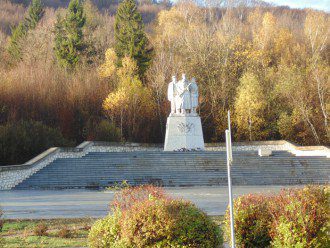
[[184, 126]]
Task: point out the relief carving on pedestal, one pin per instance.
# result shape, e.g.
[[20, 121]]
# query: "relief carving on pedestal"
[[185, 127]]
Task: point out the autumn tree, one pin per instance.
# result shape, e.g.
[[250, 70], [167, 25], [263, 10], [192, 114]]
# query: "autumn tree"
[[69, 40], [34, 15], [249, 106], [131, 104], [317, 31], [130, 38], [296, 91]]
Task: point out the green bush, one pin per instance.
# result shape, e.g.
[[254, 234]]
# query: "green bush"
[[105, 233], [168, 223], [103, 130], [294, 218], [252, 221], [300, 218], [23, 140], [152, 219]]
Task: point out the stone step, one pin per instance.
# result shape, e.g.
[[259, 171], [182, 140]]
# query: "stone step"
[[179, 169]]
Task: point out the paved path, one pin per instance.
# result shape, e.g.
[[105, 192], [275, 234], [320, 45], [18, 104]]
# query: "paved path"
[[38, 204]]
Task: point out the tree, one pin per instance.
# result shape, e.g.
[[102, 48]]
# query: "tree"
[[35, 13], [130, 38], [69, 42], [249, 105], [15, 42], [108, 68], [129, 102], [317, 31], [295, 89]]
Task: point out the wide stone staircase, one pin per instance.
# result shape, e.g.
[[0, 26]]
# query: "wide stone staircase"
[[207, 168]]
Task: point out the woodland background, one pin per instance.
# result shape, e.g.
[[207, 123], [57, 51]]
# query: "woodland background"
[[268, 65]]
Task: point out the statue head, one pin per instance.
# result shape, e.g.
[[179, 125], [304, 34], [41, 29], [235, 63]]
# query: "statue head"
[[174, 78], [183, 76], [193, 80]]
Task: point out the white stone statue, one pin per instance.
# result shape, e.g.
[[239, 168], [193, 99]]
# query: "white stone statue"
[[183, 127], [183, 96], [171, 93], [193, 88]]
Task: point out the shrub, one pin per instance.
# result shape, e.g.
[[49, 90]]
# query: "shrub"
[[64, 232], [145, 216], [40, 229], [106, 131], [127, 197], [252, 221], [293, 218], [105, 233], [22, 140], [300, 218], [168, 223]]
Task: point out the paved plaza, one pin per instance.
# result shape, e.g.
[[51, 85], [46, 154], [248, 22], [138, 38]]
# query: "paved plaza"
[[39, 204]]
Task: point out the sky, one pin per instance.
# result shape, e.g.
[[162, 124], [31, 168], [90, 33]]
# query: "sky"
[[315, 4]]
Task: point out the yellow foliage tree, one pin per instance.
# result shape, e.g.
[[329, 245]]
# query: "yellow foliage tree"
[[108, 68], [131, 104], [249, 107]]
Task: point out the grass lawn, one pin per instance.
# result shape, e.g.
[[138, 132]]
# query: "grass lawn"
[[20, 233]]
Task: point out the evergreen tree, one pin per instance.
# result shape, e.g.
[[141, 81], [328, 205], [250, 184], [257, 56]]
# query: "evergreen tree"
[[35, 13], [15, 41], [69, 42], [130, 38]]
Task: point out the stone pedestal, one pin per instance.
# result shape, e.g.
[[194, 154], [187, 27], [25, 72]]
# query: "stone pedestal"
[[184, 132]]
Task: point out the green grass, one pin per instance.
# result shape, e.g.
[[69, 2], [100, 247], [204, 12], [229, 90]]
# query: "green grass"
[[35, 241], [20, 233]]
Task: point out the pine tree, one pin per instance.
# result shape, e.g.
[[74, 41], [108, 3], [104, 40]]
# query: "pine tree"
[[130, 38], [15, 41], [69, 42], [35, 13]]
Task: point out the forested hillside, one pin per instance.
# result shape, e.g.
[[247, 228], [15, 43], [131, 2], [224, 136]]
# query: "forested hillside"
[[99, 70]]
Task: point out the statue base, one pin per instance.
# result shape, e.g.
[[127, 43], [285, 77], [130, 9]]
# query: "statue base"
[[184, 132]]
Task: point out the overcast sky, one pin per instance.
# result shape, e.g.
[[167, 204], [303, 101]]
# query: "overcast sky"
[[315, 4]]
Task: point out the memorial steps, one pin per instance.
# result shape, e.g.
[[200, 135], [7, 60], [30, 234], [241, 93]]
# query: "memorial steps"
[[207, 168]]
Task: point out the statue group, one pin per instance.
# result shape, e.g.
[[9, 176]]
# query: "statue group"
[[183, 127], [183, 95]]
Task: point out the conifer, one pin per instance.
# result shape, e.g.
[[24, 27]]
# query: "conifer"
[[35, 13], [69, 42], [15, 41], [130, 38]]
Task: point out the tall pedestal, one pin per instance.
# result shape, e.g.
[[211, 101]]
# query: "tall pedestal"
[[184, 132]]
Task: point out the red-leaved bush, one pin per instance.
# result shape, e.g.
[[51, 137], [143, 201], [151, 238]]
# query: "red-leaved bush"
[[292, 218], [252, 221], [168, 223], [145, 217], [127, 197], [300, 217]]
